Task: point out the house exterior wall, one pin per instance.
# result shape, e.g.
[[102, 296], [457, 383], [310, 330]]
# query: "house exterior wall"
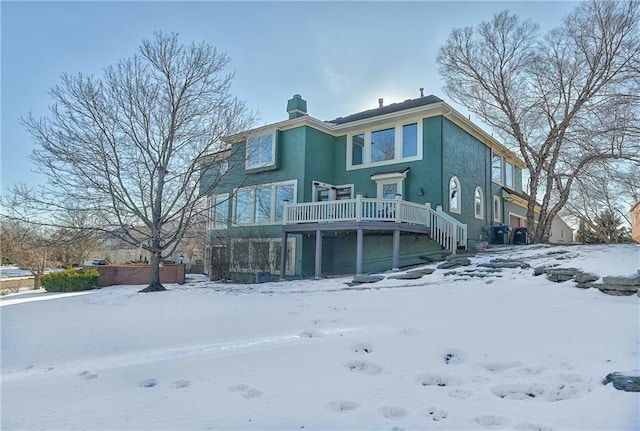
[[316, 151], [467, 159], [561, 232]]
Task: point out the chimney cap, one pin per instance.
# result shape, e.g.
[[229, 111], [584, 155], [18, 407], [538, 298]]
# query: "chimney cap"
[[380, 102]]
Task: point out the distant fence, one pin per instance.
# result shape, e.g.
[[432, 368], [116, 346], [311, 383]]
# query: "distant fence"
[[111, 275]]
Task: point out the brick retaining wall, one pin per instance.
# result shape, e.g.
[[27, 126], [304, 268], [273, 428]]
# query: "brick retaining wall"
[[111, 275]]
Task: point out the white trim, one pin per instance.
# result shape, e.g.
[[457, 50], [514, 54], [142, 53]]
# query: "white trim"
[[497, 209], [272, 158], [458, 196], [479, 216]]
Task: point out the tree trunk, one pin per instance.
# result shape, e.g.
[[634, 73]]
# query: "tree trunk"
[[36, 281], [154, 282]]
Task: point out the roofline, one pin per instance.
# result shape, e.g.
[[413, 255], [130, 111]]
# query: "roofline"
[[432, 109]]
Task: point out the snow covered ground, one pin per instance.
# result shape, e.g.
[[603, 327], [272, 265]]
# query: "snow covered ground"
[[443, 352]]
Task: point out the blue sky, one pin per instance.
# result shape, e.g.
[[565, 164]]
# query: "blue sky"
[[340, 56]]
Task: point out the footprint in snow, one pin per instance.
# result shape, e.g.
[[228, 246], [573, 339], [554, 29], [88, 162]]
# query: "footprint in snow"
[[393, 412], [148, 383], [489, 421], [87, 375], [246, 391], [365, 348], [312, 333], [439, 380], [364, 367], [343, 406], [454, 356], [179, 384], [436, 414], [460, 394]]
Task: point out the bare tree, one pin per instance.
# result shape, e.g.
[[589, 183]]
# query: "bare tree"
[[27, 246], [608, 189], [127, 147], [565, 101]]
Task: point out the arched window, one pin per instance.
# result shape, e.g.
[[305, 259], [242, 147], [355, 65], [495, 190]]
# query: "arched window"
[[454, 195], [478, 203]]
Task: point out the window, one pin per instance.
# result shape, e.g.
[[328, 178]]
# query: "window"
[[410, 140], [497, 209], [383, 145], [263, 204], [224, 167], [496, 168], [387, 145], [243, 206], [508, 174], [454, 195], [357, 149], [260, 151], [323, 192], [283, 193], [261, 254], [478, 203], [219, 211], [389, 191]]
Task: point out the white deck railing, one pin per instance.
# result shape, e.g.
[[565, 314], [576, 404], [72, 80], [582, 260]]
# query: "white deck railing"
[[444, 229]]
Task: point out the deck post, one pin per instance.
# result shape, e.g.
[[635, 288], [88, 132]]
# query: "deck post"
[[359, 206], [396, 250], [318, 274], [283, 256], [359, 250]]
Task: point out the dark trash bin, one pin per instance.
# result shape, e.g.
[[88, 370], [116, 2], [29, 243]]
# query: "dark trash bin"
[[501, 234], [520, 235]]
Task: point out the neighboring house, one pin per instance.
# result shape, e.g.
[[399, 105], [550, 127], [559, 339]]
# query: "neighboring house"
[[115, 251], [635, 222], [380, 189], [561, 232]]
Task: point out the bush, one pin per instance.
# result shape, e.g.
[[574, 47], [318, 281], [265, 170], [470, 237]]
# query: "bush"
[[70, 280]]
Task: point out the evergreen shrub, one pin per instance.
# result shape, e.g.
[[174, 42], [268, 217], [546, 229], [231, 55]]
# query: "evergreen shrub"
[[70, 280]]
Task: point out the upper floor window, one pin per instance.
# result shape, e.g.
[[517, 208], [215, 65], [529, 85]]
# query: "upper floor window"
[[478, 203], [496, 168], [261, 151], [508, 174], [410, 140], [262, 204], [384, 146], [454, 195]]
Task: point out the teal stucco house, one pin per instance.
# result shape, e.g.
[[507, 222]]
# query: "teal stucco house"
[[376, 190]]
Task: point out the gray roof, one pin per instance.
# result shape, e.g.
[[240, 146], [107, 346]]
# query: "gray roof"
[[394, 107]]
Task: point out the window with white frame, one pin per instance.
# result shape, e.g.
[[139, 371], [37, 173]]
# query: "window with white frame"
[[386, 145], [508, 174], [454, 196], [261, 150], [264, 203], [497, 209], [496, 168], [478, 203], [218, 211], [261, 254]]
